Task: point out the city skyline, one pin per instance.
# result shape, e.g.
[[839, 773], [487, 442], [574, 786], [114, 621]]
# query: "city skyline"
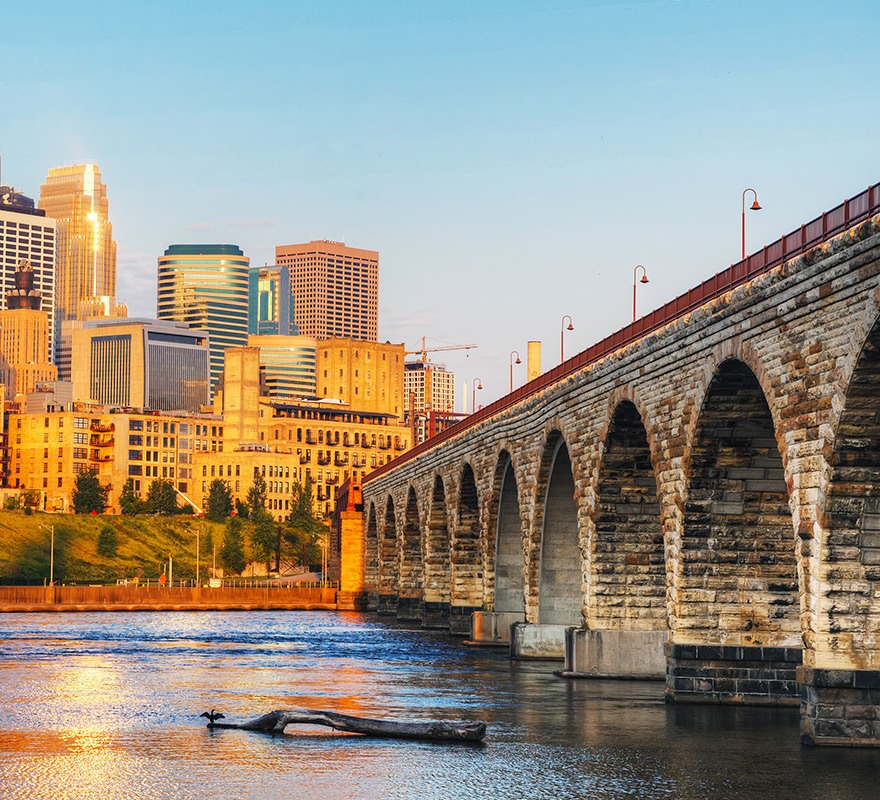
[[511, 164]]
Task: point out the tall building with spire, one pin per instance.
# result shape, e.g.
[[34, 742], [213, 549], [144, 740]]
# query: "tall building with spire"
[[24, 337], [27, 234], [85, 263]]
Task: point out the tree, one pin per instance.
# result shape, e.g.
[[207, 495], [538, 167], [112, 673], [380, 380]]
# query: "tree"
[[161, 498], [108, 542], [232, 552], [256, 495], [304, 530], [88, 494], [129, 503], [219, 505], [264, 536]]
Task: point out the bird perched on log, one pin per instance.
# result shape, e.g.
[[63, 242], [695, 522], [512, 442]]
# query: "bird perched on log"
[[212, 716]]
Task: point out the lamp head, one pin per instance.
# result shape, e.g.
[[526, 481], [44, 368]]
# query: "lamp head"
[[756, 206], [479, 385], [518, 360], [644, 279], [570, 327]]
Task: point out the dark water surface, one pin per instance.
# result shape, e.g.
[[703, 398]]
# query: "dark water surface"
[[107, 706]]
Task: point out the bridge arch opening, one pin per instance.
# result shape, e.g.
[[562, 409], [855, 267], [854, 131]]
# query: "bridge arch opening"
[[739, 570], [371, 551], [467, 551], [853, 507], [437, 563], [409, 605], [389, 562], [560, 575], [508, 545], [628, 571]]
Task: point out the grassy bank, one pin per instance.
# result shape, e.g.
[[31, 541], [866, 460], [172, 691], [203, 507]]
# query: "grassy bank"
[[143, 546]]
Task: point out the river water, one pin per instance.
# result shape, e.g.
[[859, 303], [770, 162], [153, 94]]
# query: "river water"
[[107, 706]]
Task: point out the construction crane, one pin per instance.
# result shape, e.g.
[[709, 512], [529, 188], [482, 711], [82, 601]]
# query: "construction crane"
[[424, 349]]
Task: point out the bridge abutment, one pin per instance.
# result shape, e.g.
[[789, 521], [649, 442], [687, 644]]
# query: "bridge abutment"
[[528, 640], [493, 627], [728, 674], [840, 706]]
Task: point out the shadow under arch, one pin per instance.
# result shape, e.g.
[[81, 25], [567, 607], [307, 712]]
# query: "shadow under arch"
[[627, 565], [467, 555], [389, 561], [555, 562], [506, 582], [738, 579], [852, 512], [371, 557], [438, 583], [410, 594]]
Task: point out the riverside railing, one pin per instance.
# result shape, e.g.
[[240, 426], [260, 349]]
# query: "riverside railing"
[[849, 213]]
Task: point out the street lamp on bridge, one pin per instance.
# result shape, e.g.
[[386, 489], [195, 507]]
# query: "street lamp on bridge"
[[643, 279], [477, 385], [562, 336], [512, 362], [756, 206]]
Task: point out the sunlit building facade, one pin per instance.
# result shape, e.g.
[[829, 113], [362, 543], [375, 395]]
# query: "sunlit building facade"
[[206, 286], [141, 363], [287, 364], [48, 450], [271, 302], [86, 253], [28, 235], [364, 375], [336, 289]]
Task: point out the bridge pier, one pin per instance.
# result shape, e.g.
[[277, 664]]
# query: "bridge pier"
[[712, 673], [435, 615], [840, 707], [386, 604], [530, 640], [615, 654], [493, 627], [460, 620], [410, 609]]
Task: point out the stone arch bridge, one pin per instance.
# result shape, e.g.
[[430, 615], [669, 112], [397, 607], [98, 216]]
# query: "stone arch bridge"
[[696, 498]]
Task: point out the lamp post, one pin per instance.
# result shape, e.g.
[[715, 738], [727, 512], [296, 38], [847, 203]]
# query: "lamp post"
[[644, 279], [51, 529], [512, 362], [756, 206], [562, 336], [477, 385]]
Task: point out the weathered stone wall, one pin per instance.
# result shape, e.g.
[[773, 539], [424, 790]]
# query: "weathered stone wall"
[[765, 517]]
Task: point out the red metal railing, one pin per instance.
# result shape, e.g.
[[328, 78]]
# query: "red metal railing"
[[848, 214]]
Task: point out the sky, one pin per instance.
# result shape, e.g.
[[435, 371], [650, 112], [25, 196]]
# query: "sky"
[[511, 161]]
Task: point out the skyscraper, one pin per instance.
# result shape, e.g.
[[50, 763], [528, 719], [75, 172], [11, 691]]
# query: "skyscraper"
[[336, 289], [206, 286], [27, 234], [271, 302], [86, 253]]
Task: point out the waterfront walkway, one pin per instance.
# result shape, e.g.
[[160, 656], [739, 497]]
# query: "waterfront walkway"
[[178, 598]]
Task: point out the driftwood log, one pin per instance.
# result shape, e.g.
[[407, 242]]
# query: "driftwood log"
[[276, 721]]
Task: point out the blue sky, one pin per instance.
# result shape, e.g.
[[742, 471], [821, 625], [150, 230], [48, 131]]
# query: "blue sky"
[[511, 161]]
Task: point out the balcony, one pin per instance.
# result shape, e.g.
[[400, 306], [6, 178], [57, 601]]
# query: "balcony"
[[305, 459], [98, 441], [400, 446], [101, 459], [99, 428], [323, 460], [340, 461]]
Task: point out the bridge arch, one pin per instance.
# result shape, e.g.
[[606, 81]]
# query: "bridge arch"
[[852, 516], [504, 545], [467, 551], [371, 551], [555, 561], [738, 581], [389, 561], [627, 564], [410, 595], [437, 564]]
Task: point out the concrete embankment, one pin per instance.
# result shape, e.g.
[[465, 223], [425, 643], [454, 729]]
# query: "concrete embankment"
[[142, 598]]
